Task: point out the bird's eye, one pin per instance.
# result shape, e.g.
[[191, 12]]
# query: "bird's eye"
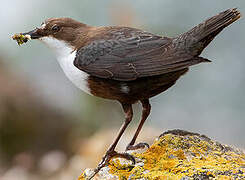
[[55, 28]]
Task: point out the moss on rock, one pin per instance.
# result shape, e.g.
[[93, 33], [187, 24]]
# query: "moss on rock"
[[181, 155]]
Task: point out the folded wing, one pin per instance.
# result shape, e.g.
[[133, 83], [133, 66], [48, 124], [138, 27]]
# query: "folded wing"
[[130, 53]]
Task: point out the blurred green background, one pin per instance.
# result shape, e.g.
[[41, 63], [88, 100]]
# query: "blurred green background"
[[47, 125]]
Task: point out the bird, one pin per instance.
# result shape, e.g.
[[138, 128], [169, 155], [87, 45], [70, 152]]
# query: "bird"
[[126, 64]]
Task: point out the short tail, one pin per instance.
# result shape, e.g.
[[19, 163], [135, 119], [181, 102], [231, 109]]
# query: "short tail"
[[200, 36]]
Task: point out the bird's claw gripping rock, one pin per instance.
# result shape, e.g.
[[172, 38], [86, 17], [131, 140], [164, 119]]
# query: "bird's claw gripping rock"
[[108, 156], [137, 146]]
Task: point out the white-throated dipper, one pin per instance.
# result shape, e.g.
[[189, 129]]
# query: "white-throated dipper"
[[126, 64]]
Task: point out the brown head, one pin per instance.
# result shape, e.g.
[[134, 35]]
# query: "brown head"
[[63, 29]]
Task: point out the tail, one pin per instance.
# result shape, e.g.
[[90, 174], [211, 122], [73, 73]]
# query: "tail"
[[195, 40]]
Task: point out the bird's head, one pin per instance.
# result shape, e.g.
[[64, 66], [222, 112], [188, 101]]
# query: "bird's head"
[[56, 32]]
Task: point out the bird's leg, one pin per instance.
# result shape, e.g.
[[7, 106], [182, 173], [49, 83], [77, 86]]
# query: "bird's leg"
[[145, 113], [111, 151]]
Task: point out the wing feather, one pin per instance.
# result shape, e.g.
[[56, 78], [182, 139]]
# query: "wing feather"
[[130, 54]]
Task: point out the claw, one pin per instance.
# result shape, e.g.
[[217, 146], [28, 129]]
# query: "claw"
[[126, 156], [108, 156], [137, 146]]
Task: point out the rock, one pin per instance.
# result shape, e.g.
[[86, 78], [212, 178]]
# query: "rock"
[[179, 154]]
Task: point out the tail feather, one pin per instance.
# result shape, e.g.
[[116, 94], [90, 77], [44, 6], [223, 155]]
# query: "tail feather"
[[216, 23], [201, 35]]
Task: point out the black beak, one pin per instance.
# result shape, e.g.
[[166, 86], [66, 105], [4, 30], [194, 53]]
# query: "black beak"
[[34, 34]]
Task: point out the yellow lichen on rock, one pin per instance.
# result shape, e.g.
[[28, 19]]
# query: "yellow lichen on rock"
[[181, 155]]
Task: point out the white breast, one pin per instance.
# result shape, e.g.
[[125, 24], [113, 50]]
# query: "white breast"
[[65, 56]]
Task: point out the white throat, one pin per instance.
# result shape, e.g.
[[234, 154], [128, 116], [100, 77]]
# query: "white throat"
[[65, 56]]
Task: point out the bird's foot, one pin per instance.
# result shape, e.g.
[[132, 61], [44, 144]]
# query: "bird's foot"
[[137, 146], [108, 156]]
